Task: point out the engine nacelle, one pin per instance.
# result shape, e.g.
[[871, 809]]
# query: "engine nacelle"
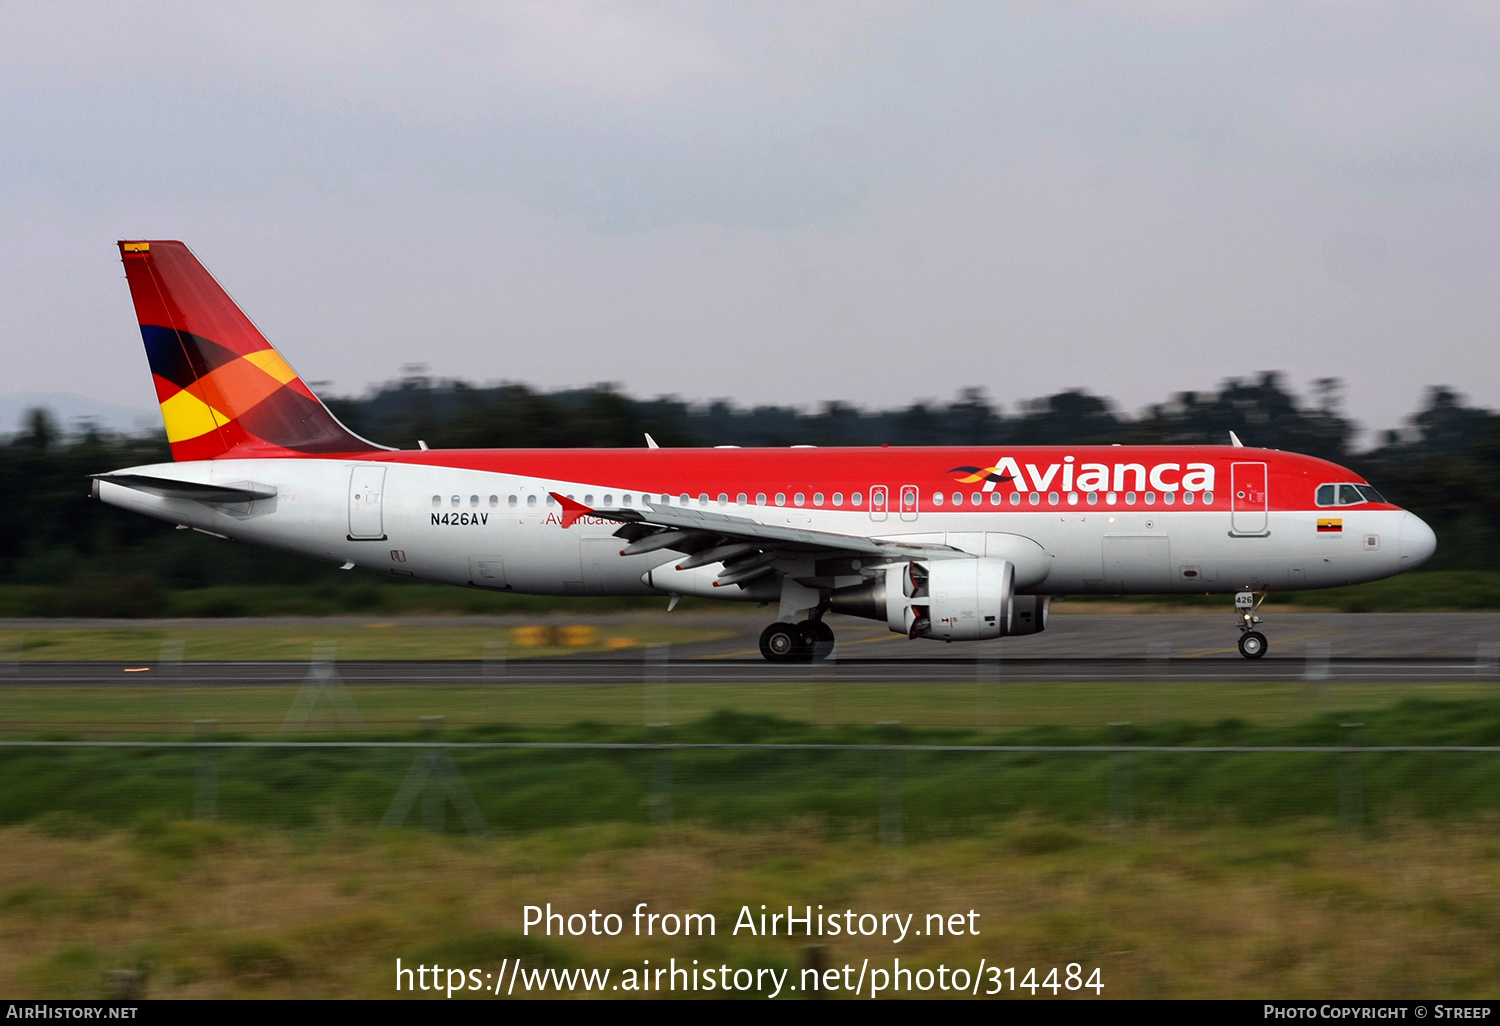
[[1029, 614], [949, 599]]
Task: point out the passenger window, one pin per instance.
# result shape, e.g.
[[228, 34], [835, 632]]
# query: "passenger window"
[[550, 500], [1208, 498], [1093, 498], [723, 499], [1151, 498], [799, 499], [958, 498], [838, 498], [531, 500], [1052, 498], [1168, 498], [703, 499], [1187, 498], [857, 498], [817, 498], [1130, 498], [473, 502], [609, 500], [937, 498], [437, 500], [760, 498], [781, 498], [455, 501], [494, 501], [511, 502], [625, 500], [740, 499], [1015, 498], [1035, 498], [994, 498]]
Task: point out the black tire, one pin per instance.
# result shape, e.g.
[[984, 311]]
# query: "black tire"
[[779, 643], [814, 640], [1253, 644], [822, 645]]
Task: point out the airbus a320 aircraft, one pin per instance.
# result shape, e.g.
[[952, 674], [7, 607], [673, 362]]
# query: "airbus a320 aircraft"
[[952, 544]]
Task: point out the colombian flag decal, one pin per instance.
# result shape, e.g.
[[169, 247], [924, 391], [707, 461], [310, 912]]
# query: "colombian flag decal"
[[1330, 525]]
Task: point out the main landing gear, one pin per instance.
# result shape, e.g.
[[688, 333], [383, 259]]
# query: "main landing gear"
[[807, 642], [1253, 643]]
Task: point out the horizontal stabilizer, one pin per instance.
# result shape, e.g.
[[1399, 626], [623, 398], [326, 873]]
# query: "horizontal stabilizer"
[[240, 491]]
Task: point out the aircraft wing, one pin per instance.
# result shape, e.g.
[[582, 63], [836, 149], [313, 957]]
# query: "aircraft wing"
[[746, 548]]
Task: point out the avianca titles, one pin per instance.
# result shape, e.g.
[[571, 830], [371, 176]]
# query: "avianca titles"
[[952, 544]]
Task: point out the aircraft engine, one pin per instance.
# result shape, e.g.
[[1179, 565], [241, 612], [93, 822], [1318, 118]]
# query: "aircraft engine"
[[1029, 615], [949, 599]]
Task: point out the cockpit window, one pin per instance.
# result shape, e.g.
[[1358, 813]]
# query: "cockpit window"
[[1346, 494]]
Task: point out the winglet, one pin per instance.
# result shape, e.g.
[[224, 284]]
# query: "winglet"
[[571, 510], [1234, 440]]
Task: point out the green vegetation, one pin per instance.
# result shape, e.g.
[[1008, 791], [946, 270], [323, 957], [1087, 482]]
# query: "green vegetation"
[[943, 793], [1295, 910]]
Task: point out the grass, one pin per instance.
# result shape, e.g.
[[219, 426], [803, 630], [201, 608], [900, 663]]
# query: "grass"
[[1299, 910], [165, 709], [523, 790]]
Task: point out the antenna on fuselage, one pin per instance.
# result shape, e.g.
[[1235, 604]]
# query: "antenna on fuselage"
[[1234, 440], [651, 442]]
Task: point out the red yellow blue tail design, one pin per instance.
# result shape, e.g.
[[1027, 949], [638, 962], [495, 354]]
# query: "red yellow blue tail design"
[[224, 390]]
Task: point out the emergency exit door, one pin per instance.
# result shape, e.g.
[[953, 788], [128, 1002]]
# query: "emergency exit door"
[[1248, 501], [366, 488]]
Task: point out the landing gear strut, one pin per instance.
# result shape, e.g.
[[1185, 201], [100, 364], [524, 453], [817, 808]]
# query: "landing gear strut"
[[805, 642], [1253, 643]]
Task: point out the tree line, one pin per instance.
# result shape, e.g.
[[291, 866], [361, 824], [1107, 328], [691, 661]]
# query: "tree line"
[[1444, 465]]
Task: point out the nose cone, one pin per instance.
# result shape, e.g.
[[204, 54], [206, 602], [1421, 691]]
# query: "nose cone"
[[1418, 543]]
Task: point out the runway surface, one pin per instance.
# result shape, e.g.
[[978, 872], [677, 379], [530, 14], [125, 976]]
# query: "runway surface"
[[1413, 648]]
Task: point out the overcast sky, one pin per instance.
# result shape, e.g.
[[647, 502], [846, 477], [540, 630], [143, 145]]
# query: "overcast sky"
[[770, 203]]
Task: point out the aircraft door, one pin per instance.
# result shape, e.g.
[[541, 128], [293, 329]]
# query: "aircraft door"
[[366, 498], [909, 499], [878, 502], [1248, 501]]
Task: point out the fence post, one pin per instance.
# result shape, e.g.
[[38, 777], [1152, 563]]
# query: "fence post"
[[492, 676], [1351, 784], [890, 784], [206, 784], [323, 684], [433, 777], [986, 689], [1316, 667], [1121, 804]]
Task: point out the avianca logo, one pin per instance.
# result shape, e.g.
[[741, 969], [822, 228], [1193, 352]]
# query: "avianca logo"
[[1070, 476]]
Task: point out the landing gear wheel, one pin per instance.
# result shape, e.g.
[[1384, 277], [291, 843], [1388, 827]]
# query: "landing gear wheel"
[[779, 643], [1253, 644], [817, 639]]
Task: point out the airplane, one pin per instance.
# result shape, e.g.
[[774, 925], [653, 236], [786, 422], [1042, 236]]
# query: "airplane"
[[959, 543]]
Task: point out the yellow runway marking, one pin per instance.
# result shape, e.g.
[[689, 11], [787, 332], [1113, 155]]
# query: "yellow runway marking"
[[1226, 651]]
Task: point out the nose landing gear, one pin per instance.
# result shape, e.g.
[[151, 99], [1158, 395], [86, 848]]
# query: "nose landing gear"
[[1253, 643]]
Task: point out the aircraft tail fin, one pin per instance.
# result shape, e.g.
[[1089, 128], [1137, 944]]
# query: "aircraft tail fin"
[[224, 390]]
